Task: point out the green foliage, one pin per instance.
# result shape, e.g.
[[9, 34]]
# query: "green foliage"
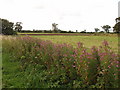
[[18, 26], [7, 27], [97, 29], [83, 31], [106, 28], [43, 64], [117, 19], [116, 28]]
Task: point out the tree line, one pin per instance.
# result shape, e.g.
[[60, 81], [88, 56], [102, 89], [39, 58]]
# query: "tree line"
[[9, 28]]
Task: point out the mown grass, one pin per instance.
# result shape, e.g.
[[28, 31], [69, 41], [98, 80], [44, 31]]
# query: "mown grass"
[[34, 63]]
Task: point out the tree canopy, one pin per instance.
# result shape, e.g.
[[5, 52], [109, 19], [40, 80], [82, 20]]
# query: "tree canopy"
[[18, 26], [97, 29], [116, 28], [106, 28], [7, 27]]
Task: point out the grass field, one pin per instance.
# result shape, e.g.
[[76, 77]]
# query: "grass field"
[[88, 41]]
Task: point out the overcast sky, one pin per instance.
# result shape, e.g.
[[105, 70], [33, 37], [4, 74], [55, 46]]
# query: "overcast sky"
[[68, 14]]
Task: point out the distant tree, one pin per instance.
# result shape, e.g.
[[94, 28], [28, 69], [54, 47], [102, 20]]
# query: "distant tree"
[[116, 27], [18, 26], [7, 27], [63, 31], [106, 28], [33, 30], [54, 27], [101, 32], [84, 31], [96, 30]]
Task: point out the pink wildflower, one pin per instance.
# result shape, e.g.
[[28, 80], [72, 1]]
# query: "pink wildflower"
[[117, 65], [109, 67], [105, 43], [73, 66]]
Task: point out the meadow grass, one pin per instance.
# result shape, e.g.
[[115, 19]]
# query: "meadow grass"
[[88, 41]]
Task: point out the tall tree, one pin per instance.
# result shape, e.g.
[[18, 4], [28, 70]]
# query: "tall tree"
[[117, 19], [97, 29], [7, 27], [54, 27], [116, 27], [106, 28], [18, 26]]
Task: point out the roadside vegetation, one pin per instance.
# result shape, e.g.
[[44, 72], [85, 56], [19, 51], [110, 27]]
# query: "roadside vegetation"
[[34, 63]]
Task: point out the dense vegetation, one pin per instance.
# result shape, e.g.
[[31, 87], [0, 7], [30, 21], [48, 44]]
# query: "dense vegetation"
[[116, 28], [35, 63], [7, 27], [88, 40]]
